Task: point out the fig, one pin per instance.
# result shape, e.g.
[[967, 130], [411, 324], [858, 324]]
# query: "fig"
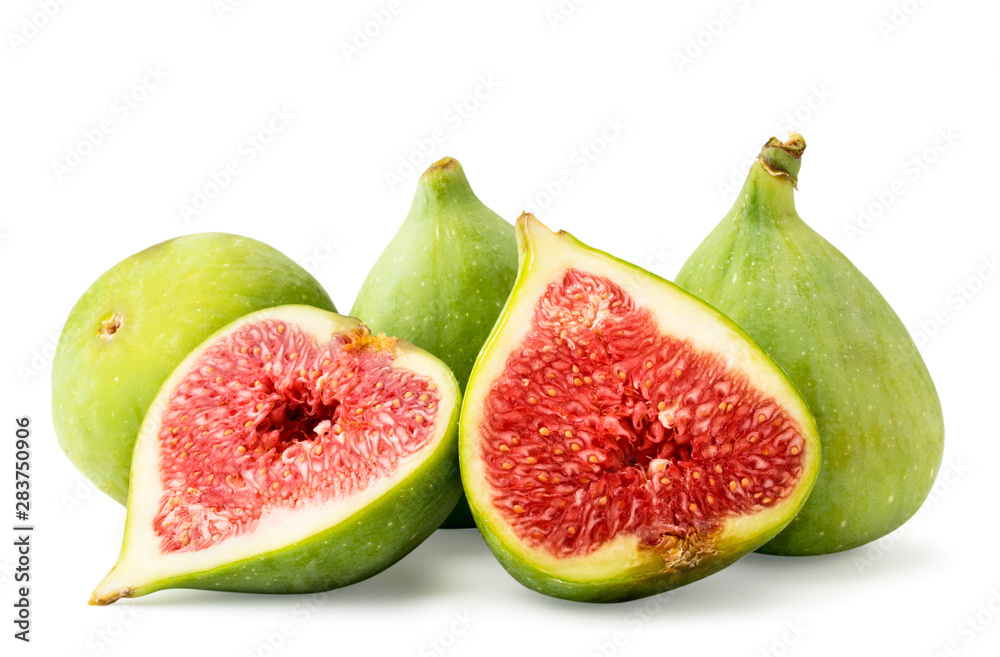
[[442, 280], [618, 436], [133, 326], [293, 451], [838, 339]]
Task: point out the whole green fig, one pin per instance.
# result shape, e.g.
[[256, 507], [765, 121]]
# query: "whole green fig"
[[879, 417], [136, 322], [444, 278]]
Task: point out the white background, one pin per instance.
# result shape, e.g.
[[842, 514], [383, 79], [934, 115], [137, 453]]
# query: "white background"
[[869, 96]]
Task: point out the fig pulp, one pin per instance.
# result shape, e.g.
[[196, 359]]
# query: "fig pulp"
[[842, 345], [133, 326], [291, 452], [442, 280], [618, 436]]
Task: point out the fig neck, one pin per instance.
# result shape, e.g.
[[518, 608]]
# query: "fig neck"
[[443, 185]]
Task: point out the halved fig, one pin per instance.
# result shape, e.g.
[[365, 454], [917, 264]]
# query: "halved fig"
[[620, 437], [293, 451]]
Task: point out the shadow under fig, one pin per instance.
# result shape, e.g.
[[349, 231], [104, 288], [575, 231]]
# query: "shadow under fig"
[[457, 562]]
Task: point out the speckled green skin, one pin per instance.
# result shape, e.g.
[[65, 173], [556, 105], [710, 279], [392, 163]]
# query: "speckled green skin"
[[443, 279], [170, 297], [845, 349]]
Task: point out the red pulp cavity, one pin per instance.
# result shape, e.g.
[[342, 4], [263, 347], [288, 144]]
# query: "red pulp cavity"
[[268, 419], [600, 425]]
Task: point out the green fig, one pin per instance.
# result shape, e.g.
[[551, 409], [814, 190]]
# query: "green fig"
[[442, 280], [291, 452], [618, 436], [879, 417], [133, 326]]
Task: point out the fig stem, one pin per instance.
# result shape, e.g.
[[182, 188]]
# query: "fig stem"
[[783, 158], [768, 195]]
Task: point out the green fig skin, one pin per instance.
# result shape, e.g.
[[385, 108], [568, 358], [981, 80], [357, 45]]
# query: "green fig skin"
[[879, 416], [443, 279], [140, 319], [642, 584]]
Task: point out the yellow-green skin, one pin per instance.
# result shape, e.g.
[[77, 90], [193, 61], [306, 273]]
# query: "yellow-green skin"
[[443, 279], [844, 348], [167, 299]]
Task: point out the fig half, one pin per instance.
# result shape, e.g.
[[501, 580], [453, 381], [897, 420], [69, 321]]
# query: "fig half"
[[620, 437], [293, 451]]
